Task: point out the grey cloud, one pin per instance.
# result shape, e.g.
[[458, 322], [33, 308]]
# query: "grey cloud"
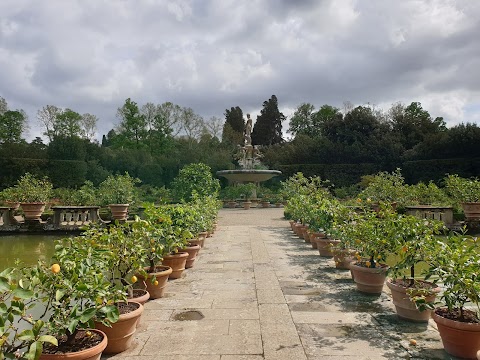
[[91, 55]]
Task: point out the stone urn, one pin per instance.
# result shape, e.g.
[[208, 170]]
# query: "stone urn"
[[119, 211], [33, 211]]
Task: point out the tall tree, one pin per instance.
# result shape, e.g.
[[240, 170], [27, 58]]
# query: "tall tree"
[[309, 122], [12, 125], [47, 116], [192, 124], [3, 105], [89, 126], [413, 124], [234, 125], [169, 114], [214, 126], [268, 127], [68, 124], [132, 130]]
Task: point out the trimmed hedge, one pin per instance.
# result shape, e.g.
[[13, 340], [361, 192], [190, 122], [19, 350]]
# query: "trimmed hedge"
[[339, 175], [435, 169]]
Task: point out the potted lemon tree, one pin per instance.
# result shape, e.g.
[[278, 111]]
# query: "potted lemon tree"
[[33, 193], [118, 192], [455, 263]]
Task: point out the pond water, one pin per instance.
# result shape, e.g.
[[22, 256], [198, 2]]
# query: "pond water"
[[27, 248]]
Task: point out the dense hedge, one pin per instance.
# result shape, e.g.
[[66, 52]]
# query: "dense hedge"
[[339, 174], [10, 168], [435, 169], [414, 171]]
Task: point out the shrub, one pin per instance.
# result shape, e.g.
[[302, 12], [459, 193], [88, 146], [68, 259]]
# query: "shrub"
[[195, 177]]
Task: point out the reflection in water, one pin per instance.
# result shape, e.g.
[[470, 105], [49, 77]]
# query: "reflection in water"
[[27, 248]]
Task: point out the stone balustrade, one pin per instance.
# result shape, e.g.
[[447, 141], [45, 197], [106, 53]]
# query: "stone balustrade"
[[6, 216], [70, 217], [441, 213]]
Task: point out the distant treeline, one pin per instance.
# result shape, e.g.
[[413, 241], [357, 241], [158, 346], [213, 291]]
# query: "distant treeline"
[[152, 142]]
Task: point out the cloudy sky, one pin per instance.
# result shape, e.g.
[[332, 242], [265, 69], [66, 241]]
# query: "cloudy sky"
[[90, 55]]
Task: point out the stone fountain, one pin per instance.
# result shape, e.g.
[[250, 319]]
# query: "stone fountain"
[[248, 157]]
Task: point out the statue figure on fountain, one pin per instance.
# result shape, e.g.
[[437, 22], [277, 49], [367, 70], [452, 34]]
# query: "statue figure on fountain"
[[247, 133]]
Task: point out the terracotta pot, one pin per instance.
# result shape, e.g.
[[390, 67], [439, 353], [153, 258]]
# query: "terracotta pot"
[[232, 204], [318, 235], [254, 204], [143, 298], [120, 335], [305, 234], [247, 205], [343, 258], [119, 211], [278, 205], [161, 275], [369, 280], [192, 251], [299, 229], [471, 210], [292, 223], [405, 307], [265, 204], [194, 242], [33, 211], [325, 246], [202, 236], [177, 262], [14, 205], [459, 339], [93, 353]]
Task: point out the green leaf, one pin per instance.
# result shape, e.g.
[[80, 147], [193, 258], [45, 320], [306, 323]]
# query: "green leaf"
[[4, 285], [48, 338], [35, 351], [59, 295], [72, 326], [3, 308], [37, 327], [87, 315], [22, 293], [26, 335], [82, 287]]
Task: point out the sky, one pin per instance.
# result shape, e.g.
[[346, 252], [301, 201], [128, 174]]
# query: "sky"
[[210, 55]]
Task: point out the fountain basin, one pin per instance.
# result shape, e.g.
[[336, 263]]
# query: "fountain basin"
[[246, 176]]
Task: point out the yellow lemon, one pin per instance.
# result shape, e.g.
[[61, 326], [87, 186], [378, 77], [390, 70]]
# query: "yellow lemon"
[[152, 241], [153, 249], [368, 263], [55, 268], [134, 279], [379, 257], [155, 283], [404, 248]]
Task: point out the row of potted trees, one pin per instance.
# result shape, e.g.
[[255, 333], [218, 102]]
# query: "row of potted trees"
[[362, 237], [88, 290], [32, 193]]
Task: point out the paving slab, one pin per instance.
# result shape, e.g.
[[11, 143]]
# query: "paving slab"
[[258, 292]]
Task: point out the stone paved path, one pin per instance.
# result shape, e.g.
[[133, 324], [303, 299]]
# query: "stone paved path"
[[259, 292]]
